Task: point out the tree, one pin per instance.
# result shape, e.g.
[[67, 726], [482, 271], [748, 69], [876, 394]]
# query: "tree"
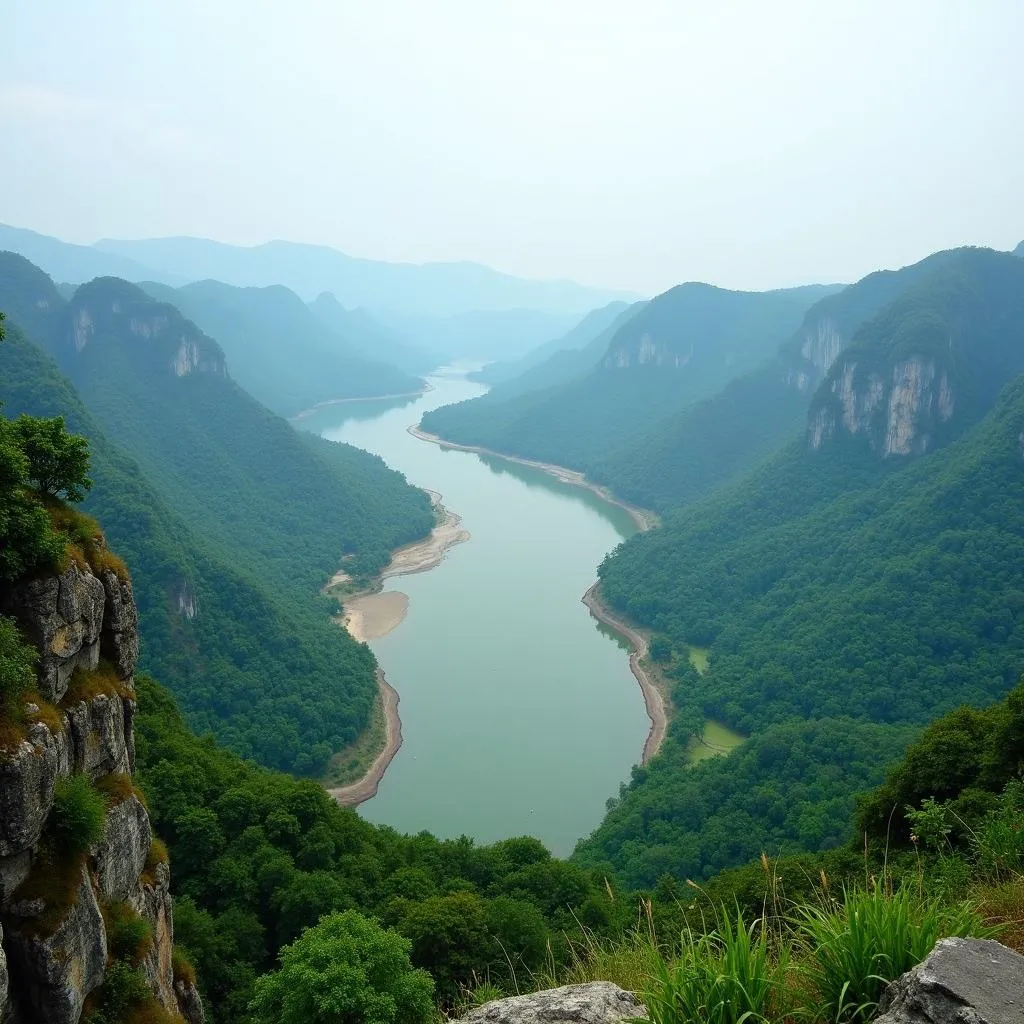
[[58, 462], [345, 970]]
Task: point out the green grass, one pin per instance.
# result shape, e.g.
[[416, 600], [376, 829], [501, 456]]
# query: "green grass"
[[699, 658], [716, 739]]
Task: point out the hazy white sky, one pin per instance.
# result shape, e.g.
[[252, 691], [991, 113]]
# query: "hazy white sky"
[[633, 144]]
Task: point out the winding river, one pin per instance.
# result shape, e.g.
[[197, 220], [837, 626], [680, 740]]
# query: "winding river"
[[519, 713]]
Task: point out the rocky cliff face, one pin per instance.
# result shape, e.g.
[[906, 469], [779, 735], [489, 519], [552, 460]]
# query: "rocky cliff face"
[[898, 408], [56, 912], [820, 345]]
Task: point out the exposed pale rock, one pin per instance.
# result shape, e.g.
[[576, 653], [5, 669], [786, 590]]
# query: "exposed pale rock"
[[121, 854], [98, 734], [190, 1006], [56, 972], [27, 778], [120, 636], [63, 615], [3, 979], [963, 981], [153, 902], [910, 399], [599, 1002], [821, 346]]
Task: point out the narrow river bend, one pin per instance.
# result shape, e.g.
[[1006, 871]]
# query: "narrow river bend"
[[519, 714]]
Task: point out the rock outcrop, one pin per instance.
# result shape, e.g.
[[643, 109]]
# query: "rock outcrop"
[[599, 1002], [963, 981], [53, 904]]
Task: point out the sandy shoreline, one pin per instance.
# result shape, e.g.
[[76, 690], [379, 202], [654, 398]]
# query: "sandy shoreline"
[[653, 699], [363, 789], [643, 517], [373, 614]]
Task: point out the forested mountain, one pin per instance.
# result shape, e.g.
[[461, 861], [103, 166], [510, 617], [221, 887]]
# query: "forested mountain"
[[682, 346], [64, 261], [710, 442], [429, 289], [262, 515], [596, 322], [278, 350], [871, 571], [372, 339], [479, 334]]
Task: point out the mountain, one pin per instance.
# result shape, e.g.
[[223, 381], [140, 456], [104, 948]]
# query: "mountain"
[[1019, 251], [479, 334], [228, 581], [278, 350], [680, 347], [64, 261], [594, 323], [429, 289], [866, 578], [371, 339], [710, 442]]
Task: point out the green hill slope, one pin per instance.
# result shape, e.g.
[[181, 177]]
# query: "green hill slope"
[[228, 582], [682, 346], [279, 350], [841, 580]]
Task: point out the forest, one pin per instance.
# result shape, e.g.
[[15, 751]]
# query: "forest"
[[204, 524], [834, 585]]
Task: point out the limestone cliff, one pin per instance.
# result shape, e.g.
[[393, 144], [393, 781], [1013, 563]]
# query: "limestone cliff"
[[59, 913]]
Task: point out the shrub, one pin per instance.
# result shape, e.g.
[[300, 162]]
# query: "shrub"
[[730, 975], [345, 968], [129, 936], [77, 815], [17, 668], [857, 947]]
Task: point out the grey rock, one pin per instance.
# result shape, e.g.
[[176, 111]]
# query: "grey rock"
[[13, 871], [190, 1006], [56, 972], [153, 902], [64, 616], [3, 979], [962, 981], [120, 637], [99, 737], [121, 855], [600, 1002], [27, 777]]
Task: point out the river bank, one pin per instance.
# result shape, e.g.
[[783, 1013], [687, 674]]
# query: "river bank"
[[368, 614], [306, 413], [644, 518]]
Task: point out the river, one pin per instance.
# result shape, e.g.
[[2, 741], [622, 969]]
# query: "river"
[[519, 714]]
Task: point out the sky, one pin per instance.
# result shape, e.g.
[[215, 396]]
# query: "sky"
[[622, 144]]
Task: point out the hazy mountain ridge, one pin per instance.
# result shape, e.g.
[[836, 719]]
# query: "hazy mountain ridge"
[[431, 289]]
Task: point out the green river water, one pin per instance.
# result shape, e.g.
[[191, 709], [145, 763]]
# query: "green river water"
[[519, 714]]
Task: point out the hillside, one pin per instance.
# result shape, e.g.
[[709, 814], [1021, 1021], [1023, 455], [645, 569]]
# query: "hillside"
[[227, 583], [682, 346], [596, 322], [371, 339], [278, 350], [710, 442], [429, 289], [840, 580]]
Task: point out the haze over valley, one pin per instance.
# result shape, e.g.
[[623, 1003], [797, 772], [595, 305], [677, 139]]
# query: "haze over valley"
[[492, 501]]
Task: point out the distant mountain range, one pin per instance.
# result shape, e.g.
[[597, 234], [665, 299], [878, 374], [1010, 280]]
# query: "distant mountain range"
[[432, 289]]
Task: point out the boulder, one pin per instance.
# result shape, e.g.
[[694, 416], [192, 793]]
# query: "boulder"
[[27, 777], [599, 1002], [963, 981], [121, 855], [56, 971]]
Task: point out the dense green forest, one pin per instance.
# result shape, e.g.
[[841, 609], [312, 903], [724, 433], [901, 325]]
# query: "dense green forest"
[[234, 624], [682, 346], [258, 856], [279, 350], [834, 584]]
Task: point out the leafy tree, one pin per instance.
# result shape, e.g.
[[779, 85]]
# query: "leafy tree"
[[17, 666], [345, 970], [58, 462]]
